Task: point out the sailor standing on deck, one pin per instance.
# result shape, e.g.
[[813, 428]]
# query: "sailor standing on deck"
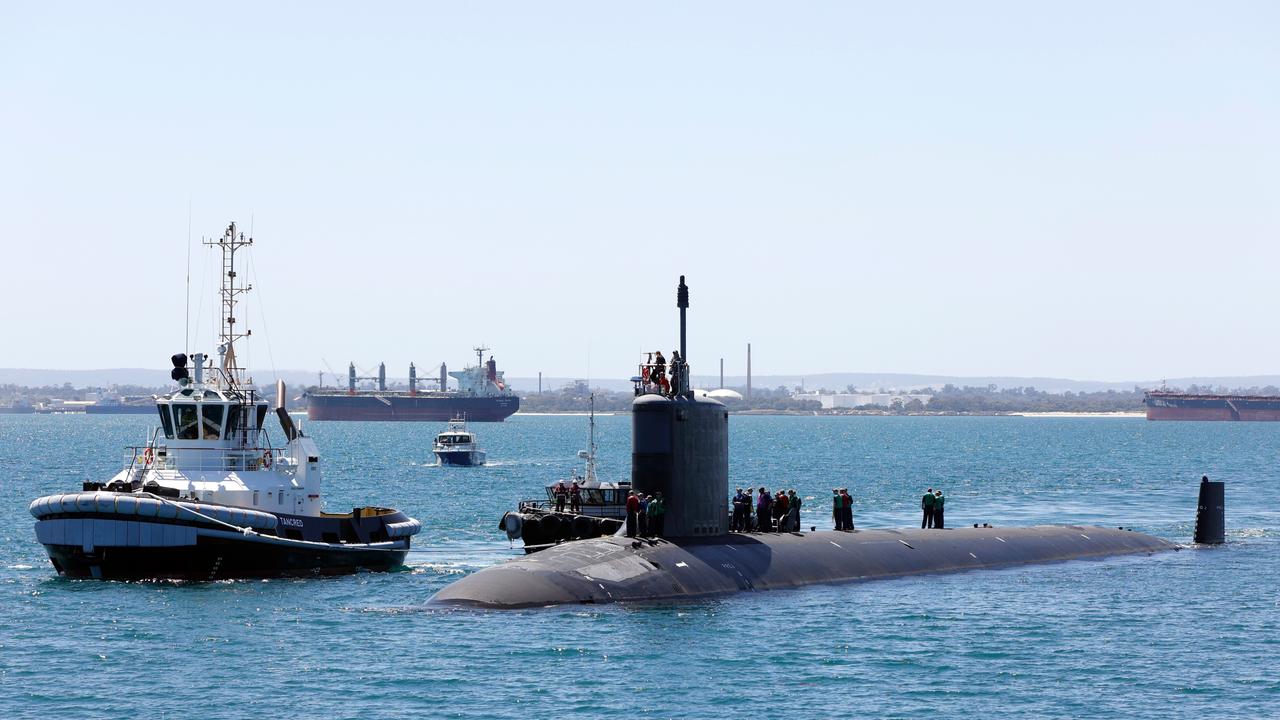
[[575, 498], [657, 511], [793, 511], [764, 504], [633, 511], [644, 515], [938, 502], [837, 509], [926, 504], [847, 501], [562, 493]]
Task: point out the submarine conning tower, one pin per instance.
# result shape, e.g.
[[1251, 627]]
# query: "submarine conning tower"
[[680, 448]]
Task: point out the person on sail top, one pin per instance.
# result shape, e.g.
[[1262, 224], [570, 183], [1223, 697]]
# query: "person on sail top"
[[659, 376]]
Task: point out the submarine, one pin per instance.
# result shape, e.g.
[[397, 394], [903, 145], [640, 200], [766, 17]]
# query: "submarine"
[[680, 444]]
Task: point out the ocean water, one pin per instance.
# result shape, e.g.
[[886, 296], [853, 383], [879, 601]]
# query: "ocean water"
[[1192, 634]]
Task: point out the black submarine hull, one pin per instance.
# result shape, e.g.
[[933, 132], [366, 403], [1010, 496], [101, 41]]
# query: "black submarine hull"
[[620, 569]]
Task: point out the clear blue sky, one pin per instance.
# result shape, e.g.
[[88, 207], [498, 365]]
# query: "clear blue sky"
[[1085, 190]]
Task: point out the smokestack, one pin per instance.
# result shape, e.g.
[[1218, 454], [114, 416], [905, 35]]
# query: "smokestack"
[[748, 369]]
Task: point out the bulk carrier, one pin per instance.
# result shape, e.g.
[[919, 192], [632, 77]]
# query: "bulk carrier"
[[482, 396], [1164, 405]]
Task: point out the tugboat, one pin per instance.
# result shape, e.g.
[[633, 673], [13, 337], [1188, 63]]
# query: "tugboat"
[[601, 511], [457, 445], [211, 496]]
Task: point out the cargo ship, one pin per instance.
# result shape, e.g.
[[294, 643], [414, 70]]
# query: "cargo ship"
[[482, 396], [1165, 405], [122, 406]]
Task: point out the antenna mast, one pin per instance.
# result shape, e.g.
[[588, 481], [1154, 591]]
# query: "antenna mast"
[[230, 242], [591, 445]]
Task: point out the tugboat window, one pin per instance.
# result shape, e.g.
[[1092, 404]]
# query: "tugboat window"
[[211, 427], [233, 422], [166, 420], [188, 422]]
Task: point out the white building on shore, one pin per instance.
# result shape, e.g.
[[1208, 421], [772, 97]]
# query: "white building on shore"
[[831, 401]]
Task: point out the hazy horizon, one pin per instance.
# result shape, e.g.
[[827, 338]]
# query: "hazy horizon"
[[993, 189]]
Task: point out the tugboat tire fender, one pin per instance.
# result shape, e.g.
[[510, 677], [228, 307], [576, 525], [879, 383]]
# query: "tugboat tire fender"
[[130, 505], [404, 529], [513, 525]]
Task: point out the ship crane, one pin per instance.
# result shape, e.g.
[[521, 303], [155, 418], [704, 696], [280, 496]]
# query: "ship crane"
[[353, 378]]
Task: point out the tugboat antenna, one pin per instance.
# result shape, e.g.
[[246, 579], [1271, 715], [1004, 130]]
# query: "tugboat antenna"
[[229, 243]]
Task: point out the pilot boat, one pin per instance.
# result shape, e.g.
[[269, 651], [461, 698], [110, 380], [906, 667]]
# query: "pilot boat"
[[602, 509], [214, 493], [457, 445]]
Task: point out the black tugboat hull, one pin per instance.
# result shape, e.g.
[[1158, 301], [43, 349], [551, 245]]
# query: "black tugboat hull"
[[215, 558], [127, 536]]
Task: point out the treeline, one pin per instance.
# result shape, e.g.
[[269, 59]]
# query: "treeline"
[[576, 399], [66, 391], [990, 399]]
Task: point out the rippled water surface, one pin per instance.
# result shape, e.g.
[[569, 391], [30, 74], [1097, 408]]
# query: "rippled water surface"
[[1191, 634]]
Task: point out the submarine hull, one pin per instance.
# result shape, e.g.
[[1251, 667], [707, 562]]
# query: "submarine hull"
[[620, 569]]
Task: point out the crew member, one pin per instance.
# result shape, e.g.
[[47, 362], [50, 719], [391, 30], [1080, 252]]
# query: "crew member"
[[846, 501], [575, 498], [633, 509], [676, 368], [659, 376], [764, 504], [644, 516], [779, 511], [938, 502], [793, 510], [926, 504], [837, 509], [657, 511], [562, 494], [735, 524]]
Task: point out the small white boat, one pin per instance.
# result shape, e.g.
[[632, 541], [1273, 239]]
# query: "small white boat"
[[457, 446]]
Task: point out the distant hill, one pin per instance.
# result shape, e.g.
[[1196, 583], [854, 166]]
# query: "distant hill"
[[145, 377], [831, 381]]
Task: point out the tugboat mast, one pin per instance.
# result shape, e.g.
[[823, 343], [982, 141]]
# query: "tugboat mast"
[[231, 289]]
